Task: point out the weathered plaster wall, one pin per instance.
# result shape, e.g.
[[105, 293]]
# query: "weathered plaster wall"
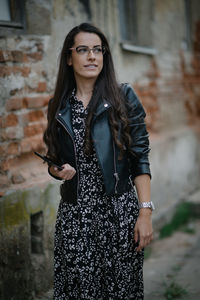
[[26, 246]]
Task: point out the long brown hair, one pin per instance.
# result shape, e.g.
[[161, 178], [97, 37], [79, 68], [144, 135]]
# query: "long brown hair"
[[106, 87]]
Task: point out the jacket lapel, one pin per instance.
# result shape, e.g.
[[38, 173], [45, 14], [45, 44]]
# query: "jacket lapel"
[[65, 116]]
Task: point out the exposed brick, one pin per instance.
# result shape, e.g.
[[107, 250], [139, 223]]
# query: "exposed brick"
[[13, 149], [5, 164], [32, 143], [18, 56], [5, 55], [35, 56], [23, 70], [14, 104], [11, 120], [4, 181], [3, 150], [35, 102], [5, 71], [2, 118], [7, 121], [35, 115], [33, 129], [8, 70], [3, 135], [42, 87]]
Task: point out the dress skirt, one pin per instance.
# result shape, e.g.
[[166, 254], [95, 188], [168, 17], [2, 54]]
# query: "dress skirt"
[[95, 254]]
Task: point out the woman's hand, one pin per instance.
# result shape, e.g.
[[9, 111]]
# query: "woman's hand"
[[66, 173], [143, 232]]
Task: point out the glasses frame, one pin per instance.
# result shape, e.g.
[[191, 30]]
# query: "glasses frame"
[[89, 50]]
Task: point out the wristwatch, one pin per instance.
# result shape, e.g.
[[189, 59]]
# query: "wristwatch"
[[147, 205]]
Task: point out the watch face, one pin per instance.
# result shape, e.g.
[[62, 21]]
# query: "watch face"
[[147, 205]]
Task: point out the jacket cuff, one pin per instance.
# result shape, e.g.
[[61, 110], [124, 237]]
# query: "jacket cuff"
[[142, 169], [56, 177]]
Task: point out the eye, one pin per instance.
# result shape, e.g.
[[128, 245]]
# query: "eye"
[[81, 50], [97, 50]]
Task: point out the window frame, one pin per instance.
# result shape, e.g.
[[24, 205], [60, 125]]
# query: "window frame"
[[19, 6], [131, 45]]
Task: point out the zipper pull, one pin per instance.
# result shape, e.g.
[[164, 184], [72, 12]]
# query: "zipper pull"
[[116, 182], [116, 176]]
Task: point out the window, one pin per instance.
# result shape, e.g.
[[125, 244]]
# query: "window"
[[12, 13], [135, 25], [187, 43]]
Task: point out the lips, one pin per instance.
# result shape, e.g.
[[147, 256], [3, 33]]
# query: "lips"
[[91, 66]]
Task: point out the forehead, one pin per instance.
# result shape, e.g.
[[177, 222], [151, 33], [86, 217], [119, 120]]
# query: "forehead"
[[87, 39]]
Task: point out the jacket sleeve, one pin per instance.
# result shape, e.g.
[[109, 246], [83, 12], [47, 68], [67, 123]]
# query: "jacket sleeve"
[[55, 177], [139, 161], [49, 107]]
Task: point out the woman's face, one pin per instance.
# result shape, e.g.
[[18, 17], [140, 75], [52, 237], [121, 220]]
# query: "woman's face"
[[86, 64]]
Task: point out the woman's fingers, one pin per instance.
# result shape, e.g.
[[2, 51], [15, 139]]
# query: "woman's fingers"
[[66, 173], [144, 241], [136, 236]]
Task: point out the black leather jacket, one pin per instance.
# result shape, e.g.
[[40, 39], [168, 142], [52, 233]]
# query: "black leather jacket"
[[116, 173]]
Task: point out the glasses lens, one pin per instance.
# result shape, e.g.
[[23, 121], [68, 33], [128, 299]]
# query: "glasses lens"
[[82, 50], [97, 50]]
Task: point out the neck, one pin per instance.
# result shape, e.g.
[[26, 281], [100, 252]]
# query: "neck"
[[85, 88]]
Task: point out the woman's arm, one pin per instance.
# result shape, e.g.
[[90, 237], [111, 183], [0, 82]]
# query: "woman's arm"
[[143, 231]]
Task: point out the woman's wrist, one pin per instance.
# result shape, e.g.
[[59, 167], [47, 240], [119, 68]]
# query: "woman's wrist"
[[145, 212]]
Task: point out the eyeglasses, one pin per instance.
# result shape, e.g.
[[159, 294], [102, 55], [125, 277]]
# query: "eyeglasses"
[[85, 50]]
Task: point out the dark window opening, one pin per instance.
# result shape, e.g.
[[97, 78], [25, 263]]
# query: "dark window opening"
[[37, 229], [12, 13], [136, 18]]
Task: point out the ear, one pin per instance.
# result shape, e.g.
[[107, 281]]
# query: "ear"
[[69, 61]]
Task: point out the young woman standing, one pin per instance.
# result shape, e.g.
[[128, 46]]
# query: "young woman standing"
[[96, 131]]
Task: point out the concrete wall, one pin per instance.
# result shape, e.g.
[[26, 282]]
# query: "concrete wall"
[[167, 84]]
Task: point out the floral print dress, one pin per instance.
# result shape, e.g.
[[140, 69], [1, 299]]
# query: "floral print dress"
[[95, 254]]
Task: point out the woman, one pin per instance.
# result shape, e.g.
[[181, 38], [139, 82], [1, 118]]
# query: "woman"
[[96, 131]]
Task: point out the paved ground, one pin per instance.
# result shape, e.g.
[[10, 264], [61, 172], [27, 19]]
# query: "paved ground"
[[174, 261]]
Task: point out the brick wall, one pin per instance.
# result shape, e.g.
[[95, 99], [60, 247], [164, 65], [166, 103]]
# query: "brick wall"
[[191, 79], [170, 88], [24, 98]]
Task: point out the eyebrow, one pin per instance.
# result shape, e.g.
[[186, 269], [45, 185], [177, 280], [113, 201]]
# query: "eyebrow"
[[88, 46]]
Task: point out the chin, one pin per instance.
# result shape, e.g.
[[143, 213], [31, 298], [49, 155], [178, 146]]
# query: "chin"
[[90, 76]]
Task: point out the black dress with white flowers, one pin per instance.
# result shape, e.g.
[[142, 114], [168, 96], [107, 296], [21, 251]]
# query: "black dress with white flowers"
[[95, 253]]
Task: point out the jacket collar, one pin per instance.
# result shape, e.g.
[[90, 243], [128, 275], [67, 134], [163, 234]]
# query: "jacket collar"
[[101, 107], [64, 115]]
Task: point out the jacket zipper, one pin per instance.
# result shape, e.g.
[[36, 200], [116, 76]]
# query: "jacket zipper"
[[74, 152], [115, 168], [131, 182]]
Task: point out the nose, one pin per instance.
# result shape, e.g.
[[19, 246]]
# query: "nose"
[[91, 54]]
